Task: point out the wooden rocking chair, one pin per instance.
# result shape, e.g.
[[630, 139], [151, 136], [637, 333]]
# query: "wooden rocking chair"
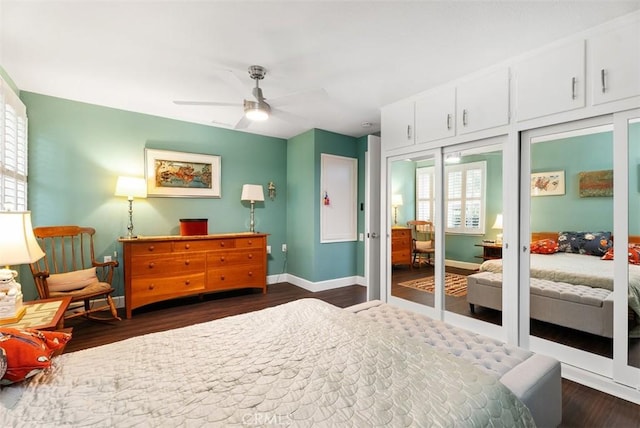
[[69, 268]]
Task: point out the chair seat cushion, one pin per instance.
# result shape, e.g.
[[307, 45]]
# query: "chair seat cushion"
[[96, 288], [424, 246], [71, 280]]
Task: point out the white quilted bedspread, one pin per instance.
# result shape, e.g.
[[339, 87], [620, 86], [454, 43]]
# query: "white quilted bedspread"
[[305, 363]]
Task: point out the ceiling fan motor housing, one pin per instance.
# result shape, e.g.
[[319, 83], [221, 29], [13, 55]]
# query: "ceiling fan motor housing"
[[257, 72]]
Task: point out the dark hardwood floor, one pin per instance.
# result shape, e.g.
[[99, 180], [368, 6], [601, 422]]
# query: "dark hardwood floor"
[[582, 406]]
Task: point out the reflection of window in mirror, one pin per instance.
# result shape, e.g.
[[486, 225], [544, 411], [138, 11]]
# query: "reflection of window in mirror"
[[472, 200]]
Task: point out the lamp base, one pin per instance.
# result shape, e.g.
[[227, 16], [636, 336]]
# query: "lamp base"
[[18, 316], [11, 308]]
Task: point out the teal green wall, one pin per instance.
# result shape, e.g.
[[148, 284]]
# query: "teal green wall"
[[77, 151], [301, 225], [307, 257], [569, 211]]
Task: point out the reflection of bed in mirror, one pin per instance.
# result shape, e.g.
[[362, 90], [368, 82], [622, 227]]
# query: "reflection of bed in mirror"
[[568, 289]]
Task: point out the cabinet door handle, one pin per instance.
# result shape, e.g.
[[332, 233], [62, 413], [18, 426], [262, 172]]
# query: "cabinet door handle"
[[603, 81], [408, 132], [449, 121], [464, 117], [573, 88]]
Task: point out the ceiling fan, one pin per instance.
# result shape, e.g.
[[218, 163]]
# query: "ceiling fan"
[[258, 109]]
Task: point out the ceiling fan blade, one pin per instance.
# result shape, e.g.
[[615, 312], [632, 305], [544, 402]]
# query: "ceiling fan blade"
[[243, 123], [310, 95], [290, 117], [205, 103]]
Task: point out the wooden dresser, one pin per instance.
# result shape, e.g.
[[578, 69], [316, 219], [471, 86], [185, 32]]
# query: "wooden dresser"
[[401, 246], [159, 268]]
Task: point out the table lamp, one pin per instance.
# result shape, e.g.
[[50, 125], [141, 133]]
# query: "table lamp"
[[396, 201], [498, 225], [17, 246], [252, 193], [131, 187]]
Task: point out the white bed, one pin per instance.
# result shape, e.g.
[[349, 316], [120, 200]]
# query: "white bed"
[[576, 269], [301, 364]]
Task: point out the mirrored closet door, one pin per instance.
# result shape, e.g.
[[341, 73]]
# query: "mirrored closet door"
[[413, 229], [568, 221]]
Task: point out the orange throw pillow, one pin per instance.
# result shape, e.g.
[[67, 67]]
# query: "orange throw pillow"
[[544, 246], [28, 352]]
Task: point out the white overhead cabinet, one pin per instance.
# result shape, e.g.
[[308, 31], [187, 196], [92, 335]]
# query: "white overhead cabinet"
[[615, 64], [436, 115], [483, 102], [550, 82], [474, 105], [397, 123]]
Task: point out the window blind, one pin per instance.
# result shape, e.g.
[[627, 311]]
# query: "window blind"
[[13, 150]]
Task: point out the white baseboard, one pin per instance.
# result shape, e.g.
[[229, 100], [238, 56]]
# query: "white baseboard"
[[462, 265], [316, 286]]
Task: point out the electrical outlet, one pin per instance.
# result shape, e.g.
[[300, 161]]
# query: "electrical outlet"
[[268, 249], [107, 259], [284, 248]]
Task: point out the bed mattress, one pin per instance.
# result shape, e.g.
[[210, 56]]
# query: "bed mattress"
[[305, 363]]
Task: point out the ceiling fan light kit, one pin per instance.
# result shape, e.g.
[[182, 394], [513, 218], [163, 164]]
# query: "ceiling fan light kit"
[[256, 110]]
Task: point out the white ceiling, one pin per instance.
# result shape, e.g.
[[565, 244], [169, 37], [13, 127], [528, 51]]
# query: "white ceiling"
[[143, 55]]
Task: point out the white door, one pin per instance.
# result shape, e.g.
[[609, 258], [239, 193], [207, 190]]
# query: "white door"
[[372, 218]]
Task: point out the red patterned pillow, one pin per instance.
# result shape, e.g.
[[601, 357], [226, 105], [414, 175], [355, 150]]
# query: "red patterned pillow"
[[633, 253], [28, 351], [544, 246]]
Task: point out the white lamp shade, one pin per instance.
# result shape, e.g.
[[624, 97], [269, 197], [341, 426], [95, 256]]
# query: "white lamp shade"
[[252, 192], [131, 187], [396, 200], [18, 244], [498, 223]]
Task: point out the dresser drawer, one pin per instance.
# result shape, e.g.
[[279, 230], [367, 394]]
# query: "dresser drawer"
[[250, 242], [235, 277], [195, 245], [235, 257], [150, 248], [148, 290], [168, 264]]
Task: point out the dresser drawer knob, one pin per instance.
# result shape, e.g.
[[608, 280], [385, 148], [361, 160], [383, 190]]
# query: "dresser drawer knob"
[[151, 248], [222, 243], [250, 273], [151, 265], [250, 256], [152, 286], [222, 277], [221, 258], [187, 282], [187, 246], [187, 262], [249, 242]]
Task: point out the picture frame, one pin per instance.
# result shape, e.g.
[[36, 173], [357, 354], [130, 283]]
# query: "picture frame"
[[549, 183], [181, 174], [595, 183]]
